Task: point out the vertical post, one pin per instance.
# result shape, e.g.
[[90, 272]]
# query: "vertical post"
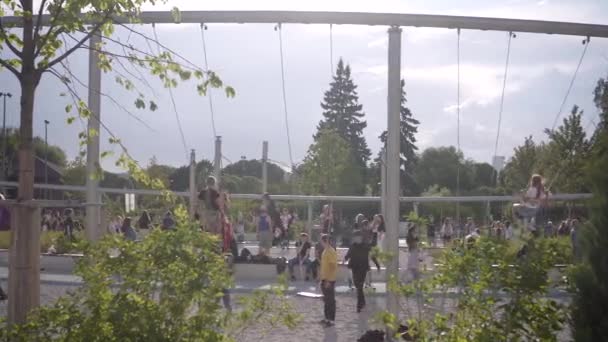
[[392, 163], [217, 161], [46, 156], [192, 184], [309, 219], [383, 181], [4, 136], [24, 263], [416, 204], [264, 167], [93, 166]]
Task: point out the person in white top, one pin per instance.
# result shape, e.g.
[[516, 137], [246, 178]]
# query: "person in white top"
[[534, 198]]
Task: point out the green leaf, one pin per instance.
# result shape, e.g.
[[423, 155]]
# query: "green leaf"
[[176, 14], [230, 92], [68, 108], [71, 120], [140, 104], [153, 106]]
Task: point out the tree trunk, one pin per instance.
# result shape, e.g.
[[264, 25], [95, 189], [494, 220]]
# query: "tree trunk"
[[24, 264]]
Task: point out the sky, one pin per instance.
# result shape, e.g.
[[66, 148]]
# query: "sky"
[[247, 57]]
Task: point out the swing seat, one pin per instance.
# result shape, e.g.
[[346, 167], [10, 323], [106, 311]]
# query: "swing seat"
[[310, 294]]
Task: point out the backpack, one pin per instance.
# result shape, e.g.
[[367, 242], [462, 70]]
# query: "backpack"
[[281, 265]]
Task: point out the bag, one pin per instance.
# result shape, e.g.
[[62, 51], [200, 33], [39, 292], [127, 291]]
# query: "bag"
[[245, 254], [281, 265]]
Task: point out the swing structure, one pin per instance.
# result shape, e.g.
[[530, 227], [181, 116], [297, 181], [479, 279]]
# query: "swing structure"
[[391, 179]]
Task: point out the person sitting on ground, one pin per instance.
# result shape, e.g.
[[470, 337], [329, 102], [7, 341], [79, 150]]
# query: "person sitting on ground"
[[264, 224], [168, 221], [144, 221], [127, 230], [358, 262], [302, 258]]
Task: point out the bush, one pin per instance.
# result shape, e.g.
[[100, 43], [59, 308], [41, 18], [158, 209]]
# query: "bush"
[[165, 288]]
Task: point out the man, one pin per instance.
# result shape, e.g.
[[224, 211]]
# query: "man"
[[329, 270], [302, 256], [358, 262]]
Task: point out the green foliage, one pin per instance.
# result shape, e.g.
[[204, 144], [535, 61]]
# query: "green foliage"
[[500, 296], [439, 166], [329, 167], [343, 114], [590, 278], [253, 168], [522, 165], [121, 300], [407, 137]]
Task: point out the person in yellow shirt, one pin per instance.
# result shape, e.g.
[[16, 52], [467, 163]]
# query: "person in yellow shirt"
[[328, 273]]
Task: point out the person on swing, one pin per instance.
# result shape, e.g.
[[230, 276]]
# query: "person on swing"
[[534, 199]]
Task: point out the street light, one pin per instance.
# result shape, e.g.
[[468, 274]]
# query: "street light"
[[46, 156], [4, 137]]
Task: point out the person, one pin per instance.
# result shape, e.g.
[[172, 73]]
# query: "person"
[[358, 262], [127, 230], [46, 221], [508, 230], [264, 224], [210, 199], [240, 227], [563, 229], [534, 198], [430, 232], [114, 226], [575, 240], [168, 221], [412, 247], [379, 229], [549, 229], [315, 264], [302, 258], [326, 219], [447, 230], [144, 221], [273, 213], [286, 220], [328, 274], [499, 232], [469, 227], [68, 223]]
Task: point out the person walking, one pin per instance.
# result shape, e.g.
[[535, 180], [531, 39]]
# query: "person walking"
[[68, 223], [329, 271], [358, 262]]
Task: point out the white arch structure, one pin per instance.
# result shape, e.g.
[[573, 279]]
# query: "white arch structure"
[[393, 21]]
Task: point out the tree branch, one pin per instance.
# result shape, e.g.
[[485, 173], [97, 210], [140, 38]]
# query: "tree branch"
[[9, 67], [94, 30], [49, 32], [3, 33], [39, 21]]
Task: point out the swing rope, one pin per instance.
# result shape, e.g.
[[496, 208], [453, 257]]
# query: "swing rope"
[[278, 29], [580, 61], [179, 123], [211, 111], [458, 125], [502, 96]]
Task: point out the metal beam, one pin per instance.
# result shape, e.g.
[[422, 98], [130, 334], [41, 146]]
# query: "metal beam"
[[357, 18], [366, 199]]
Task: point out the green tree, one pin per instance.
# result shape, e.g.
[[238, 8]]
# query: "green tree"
[[440, 166], [566, 154], [343, 114], [180, 177], [484, 175], [36, 51], [408, 148], [328, 167], [600, 97], [590, 301], [522, 165], [253, 168]]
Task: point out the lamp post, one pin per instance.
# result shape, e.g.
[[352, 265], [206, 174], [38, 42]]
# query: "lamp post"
[[46, 155], [4, 137]]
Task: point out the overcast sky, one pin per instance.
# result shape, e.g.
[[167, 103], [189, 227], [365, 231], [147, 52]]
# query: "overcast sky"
[[247, 58]]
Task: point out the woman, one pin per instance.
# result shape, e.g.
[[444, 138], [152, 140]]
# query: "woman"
[[127, 230], [286, 220], [264, 230], [447, 230], [412, 247], [533, 200], [326, 219], [115, 224], [212, 206]]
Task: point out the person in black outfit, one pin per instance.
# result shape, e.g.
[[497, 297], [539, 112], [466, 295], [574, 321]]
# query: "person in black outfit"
[[358, 261], [302, 257]]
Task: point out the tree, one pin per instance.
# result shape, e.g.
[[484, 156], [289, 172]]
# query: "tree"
[[484, 175], [38, 52], [601, 102], [566, 154], [327, 168], [343, 114], [180, 177], [253, 168], [590, 301], [440, 166], [408, 148], [522, 165]]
